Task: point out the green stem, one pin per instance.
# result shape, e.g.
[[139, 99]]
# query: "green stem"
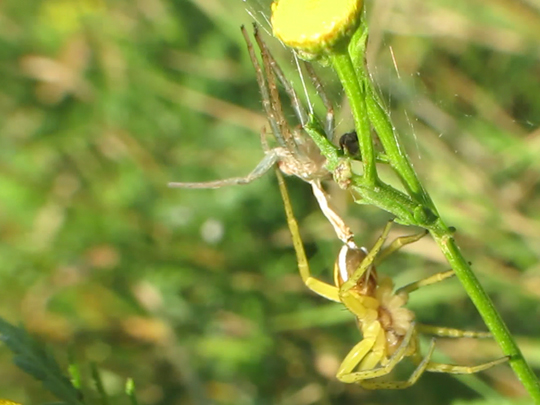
[[327, 148], [385, 197], [356, 94], [99, 384], [488, 312], [366, 106], [380, 120], [393, 148], [379, 194]]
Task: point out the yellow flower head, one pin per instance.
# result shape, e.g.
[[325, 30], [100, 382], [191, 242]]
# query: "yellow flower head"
[[315, 26]]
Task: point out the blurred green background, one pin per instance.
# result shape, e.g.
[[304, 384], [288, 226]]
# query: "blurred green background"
[[195, 293]]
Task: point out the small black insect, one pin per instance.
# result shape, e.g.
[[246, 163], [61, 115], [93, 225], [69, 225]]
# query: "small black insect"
[[348, 143]]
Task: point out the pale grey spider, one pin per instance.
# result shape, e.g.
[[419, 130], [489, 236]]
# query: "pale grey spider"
[[296, 153]]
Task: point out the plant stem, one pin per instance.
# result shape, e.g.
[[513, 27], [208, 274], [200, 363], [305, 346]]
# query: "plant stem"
[[394, 150], [357, 97], [488, 312], [368, 110]]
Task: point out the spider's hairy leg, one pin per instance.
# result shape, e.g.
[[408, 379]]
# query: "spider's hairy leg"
[[297, 106], [359, 352], [296, 103], [317, 286], [269, 160], [276, 114], [423, 365], [448, 332], [367, 262], [443, 331], [268, 107], [398, 243], [458, 333], [356, 355], [329, 119], [455, 369], [435, 278], [264, 141]]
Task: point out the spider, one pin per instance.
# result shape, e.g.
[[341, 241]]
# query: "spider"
[[388, 328], [296, 153]]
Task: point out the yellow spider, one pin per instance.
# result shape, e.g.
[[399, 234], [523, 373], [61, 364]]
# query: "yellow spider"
[[388, 328]]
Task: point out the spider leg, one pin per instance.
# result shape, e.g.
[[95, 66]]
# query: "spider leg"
[[458, 333], [423, 365], [356, 355], [297, 106], [435, 278], [376, 355], [329, 122], [274, 100], [443, 331], [398, 243], [367, 262], [264, 141], [455, 369], [269, 160], [263, 88], [317, 286]]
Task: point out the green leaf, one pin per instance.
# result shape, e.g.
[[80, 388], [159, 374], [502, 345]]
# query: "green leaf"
[[33, 358]]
